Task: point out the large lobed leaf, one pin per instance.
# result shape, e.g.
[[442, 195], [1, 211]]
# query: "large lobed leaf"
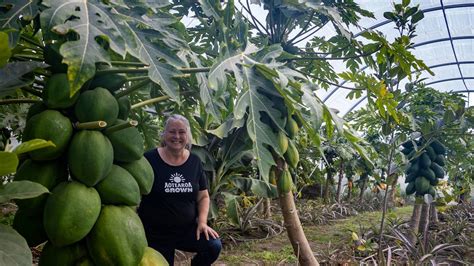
[[13, 248], [91, 21], [11, 76], [21, 190]]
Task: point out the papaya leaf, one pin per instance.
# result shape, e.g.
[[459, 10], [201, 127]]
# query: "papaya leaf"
[[21, 190], [11, 76], [143, 42], [91, 21], [232, 203], [254, 103], [32, 145], [10, 13], [9, 163], [5, 51], [13, 248]]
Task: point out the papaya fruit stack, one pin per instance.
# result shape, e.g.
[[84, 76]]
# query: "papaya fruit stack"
[[96, 174], [426, 168]]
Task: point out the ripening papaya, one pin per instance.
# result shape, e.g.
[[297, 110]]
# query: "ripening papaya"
[[127, 143], [70, 213], [90, 156], [118, 237], [282, 142], [119, 188], [438, 147], [96, 105], [285, 182], [56, 92], [291, 127], [152, 257], [292, 155], [142, 171], [48, 125]]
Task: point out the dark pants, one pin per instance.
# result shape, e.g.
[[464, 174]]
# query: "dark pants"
[[207, 250]]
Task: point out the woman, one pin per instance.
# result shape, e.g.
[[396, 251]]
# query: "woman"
[[174, 214]]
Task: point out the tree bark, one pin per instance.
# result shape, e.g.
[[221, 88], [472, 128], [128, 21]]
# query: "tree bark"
[[424, 222], [434, 214], [339, 182], [327, 185], [293, 226], [267, 213], [362, 189], [415, 221], [393, 185]]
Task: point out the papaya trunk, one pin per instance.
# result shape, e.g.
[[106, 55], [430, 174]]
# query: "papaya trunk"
[[393, 185], [339, 182], [326, 186], [362, 189], [267, 213], [349, 190], [424, 222], [293, 226], [415, 222], [434, 214]]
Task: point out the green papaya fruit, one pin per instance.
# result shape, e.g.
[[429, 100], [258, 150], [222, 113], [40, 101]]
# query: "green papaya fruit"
[[408, 144], [52, 255], [438, 147], [410, 189], [70, 213], [48, 125], [127, 143], [431, 153], [90, 156], [124, 107], [118, 237], [96, 105], [56, 93], [424, 161], [47, 173], [432, 191], [142, 171], [119, 188], [285, 182], [440, 160], [438, 170], [410, 177], [413, 167], [407, 151], [434, 182], [422, 185], [427, 172], [292, 155], [111, 82]]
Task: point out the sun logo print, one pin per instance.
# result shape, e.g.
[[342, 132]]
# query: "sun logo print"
[[177, 178]]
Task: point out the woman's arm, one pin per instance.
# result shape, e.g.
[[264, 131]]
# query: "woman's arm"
[[203, 202]]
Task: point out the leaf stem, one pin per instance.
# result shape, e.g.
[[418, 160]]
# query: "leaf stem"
[[125, 63], [150, 101], [90, 125], [124, 125], [32, 91], [132, 88]]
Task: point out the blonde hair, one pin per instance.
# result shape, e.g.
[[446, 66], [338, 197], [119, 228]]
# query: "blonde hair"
[[177, 117]]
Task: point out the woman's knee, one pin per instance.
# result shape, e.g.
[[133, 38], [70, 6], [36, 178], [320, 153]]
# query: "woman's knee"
[[215, 246]]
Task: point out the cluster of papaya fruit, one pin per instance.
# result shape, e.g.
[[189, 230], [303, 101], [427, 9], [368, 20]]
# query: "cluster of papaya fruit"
[[286, 144], [425, 167], [96, 174]]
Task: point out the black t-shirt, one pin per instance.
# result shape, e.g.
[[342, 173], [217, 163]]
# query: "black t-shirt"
[[172, 202]]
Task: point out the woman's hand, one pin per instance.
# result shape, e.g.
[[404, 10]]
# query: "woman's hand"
[[206, 230]]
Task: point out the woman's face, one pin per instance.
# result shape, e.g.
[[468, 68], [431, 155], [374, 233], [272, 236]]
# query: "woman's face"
[[176, 136]]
